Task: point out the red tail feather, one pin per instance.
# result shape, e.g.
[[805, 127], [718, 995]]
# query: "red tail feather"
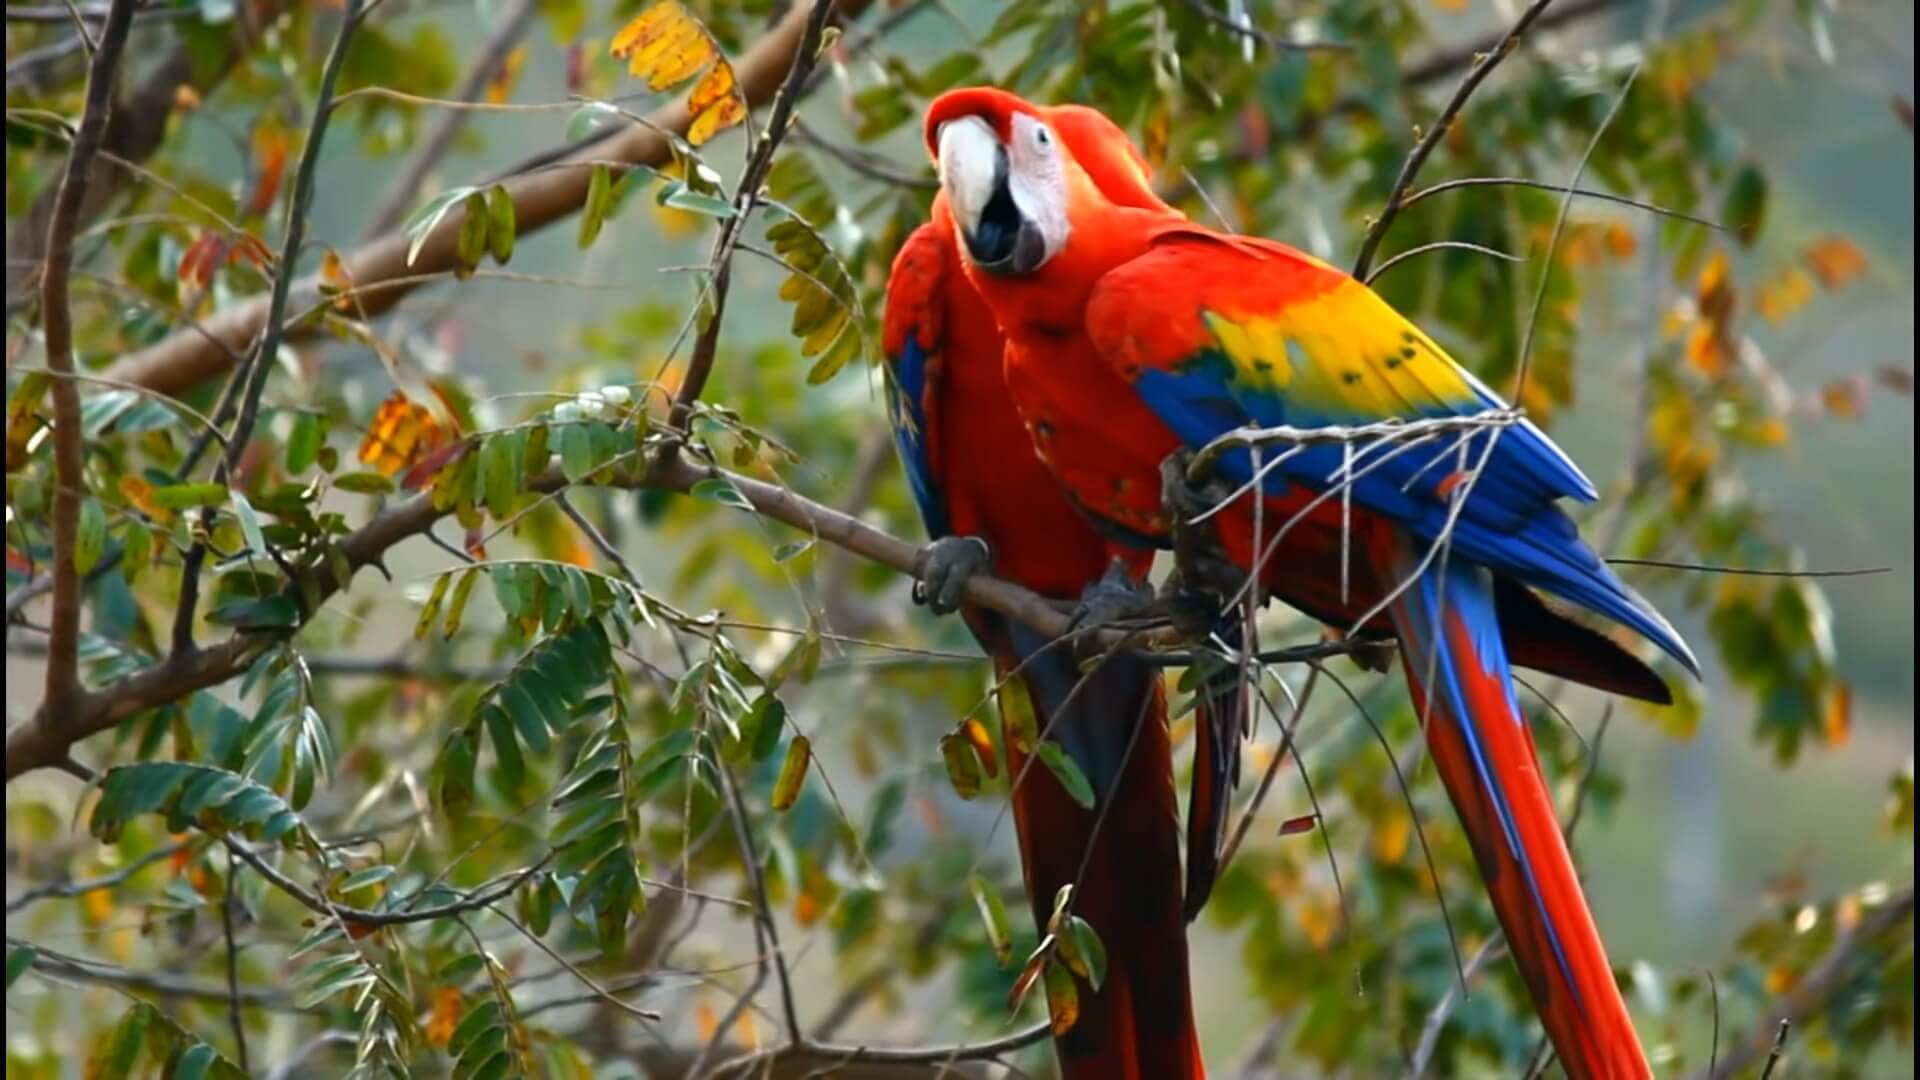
[[1572, 986], [1139, 1025]]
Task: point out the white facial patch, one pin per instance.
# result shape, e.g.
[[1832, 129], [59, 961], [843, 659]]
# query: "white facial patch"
[[1037, 178]]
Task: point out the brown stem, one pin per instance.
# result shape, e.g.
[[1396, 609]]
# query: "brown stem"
[[56, 320]]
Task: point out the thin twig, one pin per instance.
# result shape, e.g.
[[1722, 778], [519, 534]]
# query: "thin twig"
[[1483, 66], [1247, 30], [1440, 245], [447, 124], [1542, 185], [1779, 1049], [746, 198], [1560, 227], [56, 322], [235, 1017]]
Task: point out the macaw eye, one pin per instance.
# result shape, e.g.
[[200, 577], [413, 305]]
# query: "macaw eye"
[[1042, 138]]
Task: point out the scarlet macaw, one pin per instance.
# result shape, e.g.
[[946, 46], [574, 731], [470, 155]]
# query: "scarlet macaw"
[[1134, 334], [981, 489]]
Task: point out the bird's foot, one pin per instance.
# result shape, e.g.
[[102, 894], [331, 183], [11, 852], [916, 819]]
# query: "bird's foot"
[[947, 565], [1112, 601]]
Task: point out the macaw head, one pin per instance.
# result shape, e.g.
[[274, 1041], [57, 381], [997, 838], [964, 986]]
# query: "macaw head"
[[1011, 172]]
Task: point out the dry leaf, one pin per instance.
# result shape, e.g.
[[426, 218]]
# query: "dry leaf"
[[445, 1016], [402, 431], [270, 147], [1835, 260], [666, 46]]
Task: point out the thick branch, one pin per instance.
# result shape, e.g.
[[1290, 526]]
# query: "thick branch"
[[41, 742], [184, 359], [57, 324]]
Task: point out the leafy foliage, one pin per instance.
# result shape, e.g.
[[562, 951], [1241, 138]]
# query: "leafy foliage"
[[644, 727]]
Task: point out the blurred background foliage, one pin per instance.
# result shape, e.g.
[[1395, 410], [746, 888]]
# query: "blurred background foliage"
[[1742, 397]]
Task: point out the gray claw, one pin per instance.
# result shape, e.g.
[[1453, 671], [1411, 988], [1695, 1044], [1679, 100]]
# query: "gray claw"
[[1113, 598], [949, 562]]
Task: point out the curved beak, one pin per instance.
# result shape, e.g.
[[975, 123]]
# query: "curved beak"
[[999, 237]]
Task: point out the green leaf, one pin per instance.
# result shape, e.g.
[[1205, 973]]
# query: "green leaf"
[[90, 542], [364, 483], [500, 473], [421, 225], [303, 444], [593, 213], [590, 118], [501, 226], [431, 608], [1081, 948], [470, 244], [506, 746], [1057, 761], [720, 491], [963, 765], [681, 197], [458, 606], [993, 913], [188, 496], [576, 452], [195, 1063], [19, 962], [1746, 206], [215, 798], [249, 525], [117, 1058]]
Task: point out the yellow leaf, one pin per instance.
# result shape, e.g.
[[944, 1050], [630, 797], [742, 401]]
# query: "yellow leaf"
[[793, 773], [1157, 136], [1391, 835], [723, 114], [664, 45], [1779, 299]]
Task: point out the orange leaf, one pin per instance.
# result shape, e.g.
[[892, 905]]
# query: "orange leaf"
[[270, 164], [445, 1016], [137, 491], [500, 86], [1835, 260], [1837, 716], [201, 259], [977, 734], [402, 431], [718, 117], [1844, 398]]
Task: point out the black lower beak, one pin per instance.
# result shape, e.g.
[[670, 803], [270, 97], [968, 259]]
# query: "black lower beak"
[[1003, 240]]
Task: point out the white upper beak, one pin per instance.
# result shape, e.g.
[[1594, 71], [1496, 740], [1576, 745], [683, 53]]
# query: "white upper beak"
[[970, 163]]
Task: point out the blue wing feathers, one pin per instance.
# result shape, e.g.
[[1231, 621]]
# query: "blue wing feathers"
[[1509, 524], [907, 407]]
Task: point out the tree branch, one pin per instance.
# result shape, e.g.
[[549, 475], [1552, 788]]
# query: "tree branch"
[[183, 359], [56, 320], [1816, 988], [1483, 66]]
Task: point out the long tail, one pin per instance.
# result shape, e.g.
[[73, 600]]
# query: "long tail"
[[1457, 669], [1139, 1025]]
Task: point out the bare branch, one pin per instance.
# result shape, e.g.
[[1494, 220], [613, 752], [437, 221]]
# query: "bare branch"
[[1483, 66], [1207, 11], [56, 320], [447, 124]]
